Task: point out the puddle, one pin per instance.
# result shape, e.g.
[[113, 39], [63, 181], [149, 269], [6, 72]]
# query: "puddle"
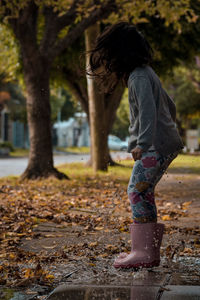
[[190, 261], [11, 294], [185, 271], [104, 293], [26, 294]]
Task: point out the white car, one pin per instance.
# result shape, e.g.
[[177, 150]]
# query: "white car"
[[115, 143]]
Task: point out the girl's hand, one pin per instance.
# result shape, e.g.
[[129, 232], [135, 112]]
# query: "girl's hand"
[[136, 153]]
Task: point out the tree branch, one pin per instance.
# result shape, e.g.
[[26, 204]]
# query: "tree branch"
[[69, 17], [54, 23], [25, 26], [50, 33], [76, 32]]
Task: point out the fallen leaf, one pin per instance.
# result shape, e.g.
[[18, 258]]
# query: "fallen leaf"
[[49, 247], [99, 228], [94, 244], [166, 218]]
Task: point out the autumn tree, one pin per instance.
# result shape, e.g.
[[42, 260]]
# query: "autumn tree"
[[43, 30], [102, 108], [138, 12], [166, 58], [68, 70], [184, 87], [64, 22]]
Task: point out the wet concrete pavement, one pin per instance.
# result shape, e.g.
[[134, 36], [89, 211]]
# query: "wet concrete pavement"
[[177, 278], [140, 290], [137, 292], [144, 284]]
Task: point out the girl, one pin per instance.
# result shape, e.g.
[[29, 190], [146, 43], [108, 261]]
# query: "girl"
[[121, 53]]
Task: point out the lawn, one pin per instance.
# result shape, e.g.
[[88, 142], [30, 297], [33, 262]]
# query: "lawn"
[[186, 163], [19, 152], [73, 149], [183, 163]]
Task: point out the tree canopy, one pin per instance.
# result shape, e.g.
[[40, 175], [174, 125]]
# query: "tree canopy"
[[43, 30], [184, 87]]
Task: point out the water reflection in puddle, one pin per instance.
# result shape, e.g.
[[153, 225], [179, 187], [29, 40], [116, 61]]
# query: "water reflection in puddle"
[[104, 293]]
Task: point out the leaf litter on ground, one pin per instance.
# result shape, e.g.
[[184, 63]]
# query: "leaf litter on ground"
[[50, 227]]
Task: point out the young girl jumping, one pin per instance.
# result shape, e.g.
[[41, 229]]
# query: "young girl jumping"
[[121, 53]]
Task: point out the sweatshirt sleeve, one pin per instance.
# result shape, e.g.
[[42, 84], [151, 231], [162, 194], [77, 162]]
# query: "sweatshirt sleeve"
[[145, 101]]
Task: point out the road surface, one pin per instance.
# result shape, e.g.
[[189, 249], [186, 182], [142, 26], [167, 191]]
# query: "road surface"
[[15, 166]]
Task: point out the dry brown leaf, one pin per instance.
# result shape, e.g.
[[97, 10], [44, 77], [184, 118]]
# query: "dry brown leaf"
[[49, 247], [99, 228], [94, 244], [166, 218]]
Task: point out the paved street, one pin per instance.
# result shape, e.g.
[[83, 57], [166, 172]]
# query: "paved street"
[[16, 166]]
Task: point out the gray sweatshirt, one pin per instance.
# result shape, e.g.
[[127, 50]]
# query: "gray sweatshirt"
[[152, 114]]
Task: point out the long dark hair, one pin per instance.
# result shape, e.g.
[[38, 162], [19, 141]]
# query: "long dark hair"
[[119, 49]]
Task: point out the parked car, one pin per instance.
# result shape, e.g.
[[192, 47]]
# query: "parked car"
[[115, 143]]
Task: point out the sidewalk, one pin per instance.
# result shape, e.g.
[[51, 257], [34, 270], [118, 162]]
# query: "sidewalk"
[[178, 275], [135, 292], [86, 239]]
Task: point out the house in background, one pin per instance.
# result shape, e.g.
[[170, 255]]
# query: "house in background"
[[11, 131], [74, 132], [14, 132]]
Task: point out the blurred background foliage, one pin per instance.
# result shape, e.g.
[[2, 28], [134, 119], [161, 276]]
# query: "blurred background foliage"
[[173, 33]]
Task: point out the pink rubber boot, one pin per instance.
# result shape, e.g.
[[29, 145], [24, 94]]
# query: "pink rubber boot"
[[146, 240]]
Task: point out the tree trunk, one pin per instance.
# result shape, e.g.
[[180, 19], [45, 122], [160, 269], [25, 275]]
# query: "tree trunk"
[[36, 71], [78, 88], [111, 103], [39, 119], [98, 136]]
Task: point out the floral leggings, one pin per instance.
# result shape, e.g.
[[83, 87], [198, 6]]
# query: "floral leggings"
[[145, 175]]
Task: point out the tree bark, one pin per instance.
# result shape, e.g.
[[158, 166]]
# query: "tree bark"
[[98, 136], [78, 88], [36, 70], [39, 119]]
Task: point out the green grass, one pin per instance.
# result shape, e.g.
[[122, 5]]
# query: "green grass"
[[74, 149], [79, 169], [182, 164], [186, 163], [19, 152]]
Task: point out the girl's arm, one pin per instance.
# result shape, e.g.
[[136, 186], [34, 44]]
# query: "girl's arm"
[[145, 101]]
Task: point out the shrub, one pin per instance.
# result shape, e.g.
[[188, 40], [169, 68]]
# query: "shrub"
[[7, 145]]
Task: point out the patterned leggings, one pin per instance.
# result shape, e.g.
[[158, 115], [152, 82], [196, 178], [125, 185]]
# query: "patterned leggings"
[[145, 175]]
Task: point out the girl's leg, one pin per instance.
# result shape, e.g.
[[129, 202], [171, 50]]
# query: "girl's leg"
[[146, 234], [145, 175]]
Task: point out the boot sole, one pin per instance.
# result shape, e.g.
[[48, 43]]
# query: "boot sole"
[[155, 263]]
